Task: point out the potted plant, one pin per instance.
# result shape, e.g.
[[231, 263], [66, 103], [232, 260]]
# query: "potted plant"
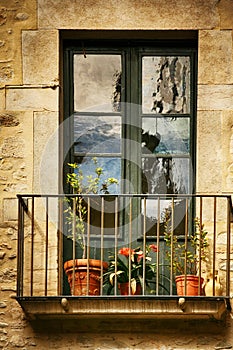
[[127, 270], [186, 256], [83, 274]]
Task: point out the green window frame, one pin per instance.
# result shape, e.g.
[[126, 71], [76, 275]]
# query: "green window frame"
[[132, 115]]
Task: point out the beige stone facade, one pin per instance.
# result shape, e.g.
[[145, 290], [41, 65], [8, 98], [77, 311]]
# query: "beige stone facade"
[[30, 88]]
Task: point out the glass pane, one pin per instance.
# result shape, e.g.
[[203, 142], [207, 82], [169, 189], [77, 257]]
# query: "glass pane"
[[165, 84], [166, 135], [111, 168], [97, 134], [97, 82], [156, 210], [165, 175]]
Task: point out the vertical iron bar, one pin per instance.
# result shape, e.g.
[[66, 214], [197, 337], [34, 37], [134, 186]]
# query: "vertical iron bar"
[[130, 242], [20, 255], [46, 246], [186, 243], [214, 244], [88, 243], [158, 248], [116, 243], [144, 249], [102, 246], [60, 247], [73, 243], [228, 246], [172, 245], [32, 245], [200, 240]]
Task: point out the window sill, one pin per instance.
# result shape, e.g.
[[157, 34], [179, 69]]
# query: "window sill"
[[37, 308]]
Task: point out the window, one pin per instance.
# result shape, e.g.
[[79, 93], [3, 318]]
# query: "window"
[[131, 105]]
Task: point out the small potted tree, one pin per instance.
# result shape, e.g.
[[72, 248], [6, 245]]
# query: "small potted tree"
[[83, 273], [184, 257]]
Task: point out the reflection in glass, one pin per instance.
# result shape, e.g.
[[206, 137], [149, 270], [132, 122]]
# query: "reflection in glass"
[[165, 84], [97, 134], [166, 135], [165, 175], [111, 168], [156, 211], [97, 82]]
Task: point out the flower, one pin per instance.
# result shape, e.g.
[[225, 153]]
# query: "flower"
[[153, 247], [131, 265], [126, 251]]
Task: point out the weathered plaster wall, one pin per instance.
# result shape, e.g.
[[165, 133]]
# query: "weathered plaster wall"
[[29, 106]]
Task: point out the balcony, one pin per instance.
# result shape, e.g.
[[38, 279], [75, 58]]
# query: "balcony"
[[153, 236]]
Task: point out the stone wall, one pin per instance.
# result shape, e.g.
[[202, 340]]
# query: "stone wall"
[[29, 115]]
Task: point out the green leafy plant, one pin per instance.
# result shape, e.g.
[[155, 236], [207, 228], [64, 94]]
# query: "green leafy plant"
[[185, 256], [76, 212], [130, 266]]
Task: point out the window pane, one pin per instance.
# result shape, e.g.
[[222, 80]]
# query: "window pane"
[[111, 168], [165, 175], [166, 135], [97, 82], [165, 84], [97, 134], [156, 210]]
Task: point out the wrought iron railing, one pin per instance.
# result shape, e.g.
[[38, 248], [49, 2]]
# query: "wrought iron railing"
[[144, 239]]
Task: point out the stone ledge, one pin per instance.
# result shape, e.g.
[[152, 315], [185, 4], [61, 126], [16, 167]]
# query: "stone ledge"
[[130, 307]]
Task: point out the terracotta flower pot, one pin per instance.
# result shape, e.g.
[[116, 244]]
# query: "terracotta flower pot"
[[81, 276], [192, 284], [124, 289]]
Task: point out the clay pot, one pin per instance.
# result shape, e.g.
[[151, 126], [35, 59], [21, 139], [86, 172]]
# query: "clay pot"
[[124, 289], [81, 275], [192, 284]]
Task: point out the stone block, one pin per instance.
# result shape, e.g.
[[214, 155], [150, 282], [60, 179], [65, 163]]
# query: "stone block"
[[6, 45], [34, 98], [227, 151], [2, 99], [46, 152], [10, 209], [215, 97], [40, 57], [209, 160], [20, 14], [145, 14], [11, 64], [215, 61], [225, 9], [12, 147]]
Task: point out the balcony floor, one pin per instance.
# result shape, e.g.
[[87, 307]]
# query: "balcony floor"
[[70, 307]]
